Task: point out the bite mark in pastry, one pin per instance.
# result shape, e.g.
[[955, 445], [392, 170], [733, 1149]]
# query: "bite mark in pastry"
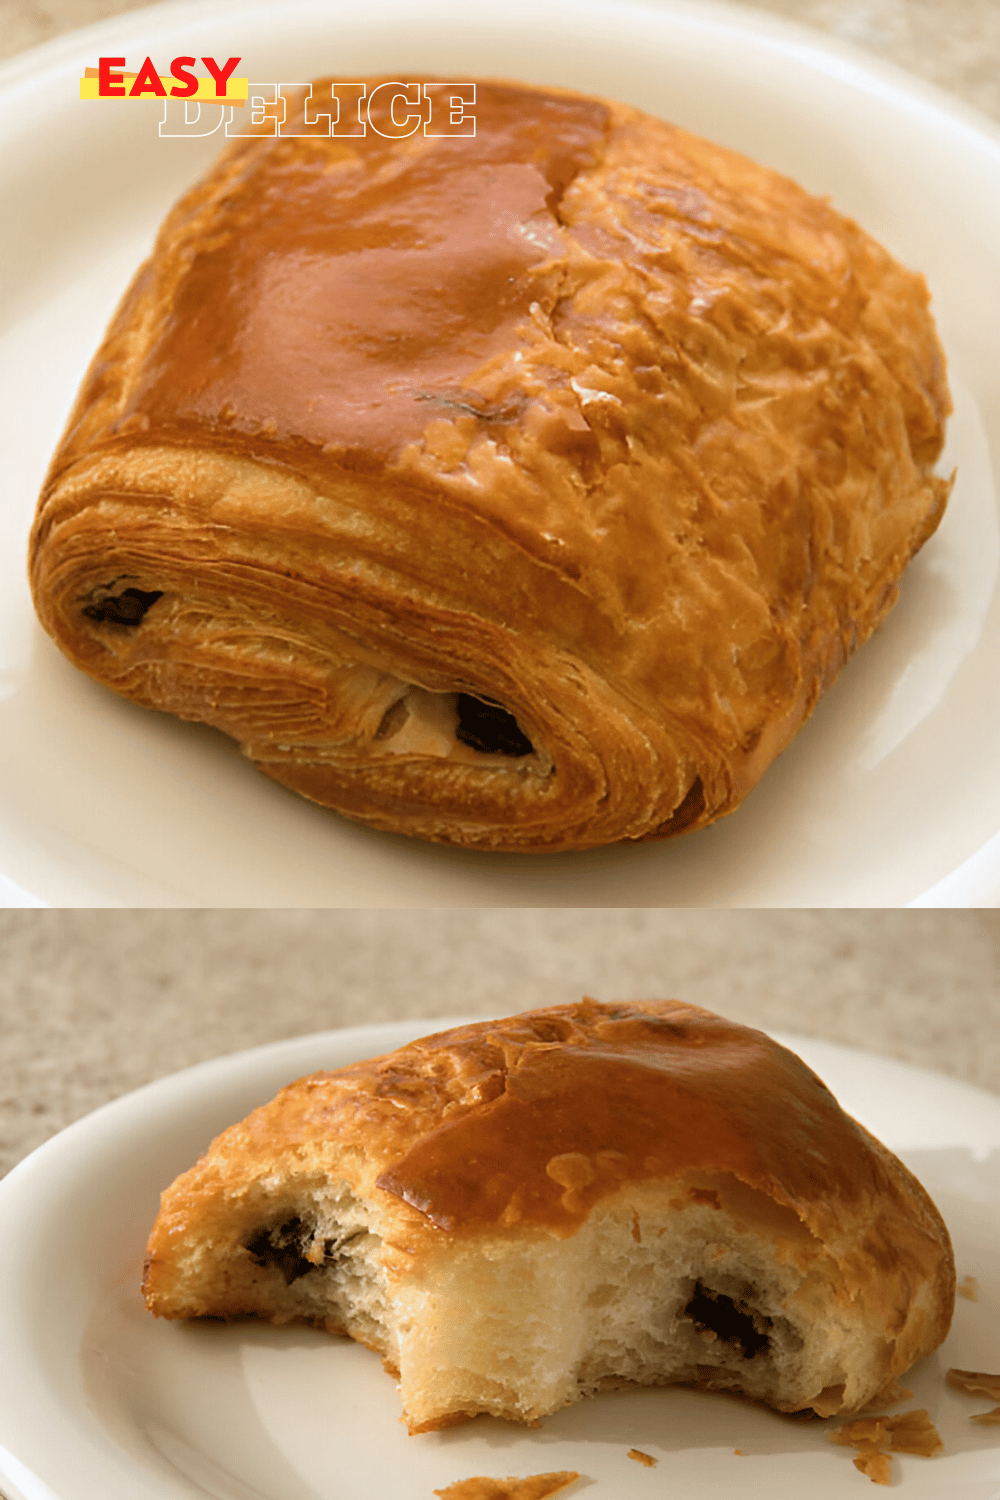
[[520, 491], [519, 1213]]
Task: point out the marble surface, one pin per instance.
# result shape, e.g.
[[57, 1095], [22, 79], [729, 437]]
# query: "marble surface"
[[954, 43], [93, 1004]]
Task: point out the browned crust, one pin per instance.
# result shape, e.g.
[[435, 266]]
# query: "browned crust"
[[653, 521]]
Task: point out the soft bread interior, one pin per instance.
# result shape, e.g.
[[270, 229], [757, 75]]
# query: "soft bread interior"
[[700, 1281]]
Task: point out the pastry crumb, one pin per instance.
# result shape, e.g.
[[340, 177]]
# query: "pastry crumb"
[[914, 1432], [975, 1382], [978, 1383], [878, 1467], [534, 1487], [876, 1437], [642, 1458], [968, 1287]]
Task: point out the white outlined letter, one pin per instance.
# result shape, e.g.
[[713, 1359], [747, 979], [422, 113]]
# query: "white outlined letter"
[[449, 99], [264, 107], [320, 124], [178, 118], [343, 94], [396, 129]]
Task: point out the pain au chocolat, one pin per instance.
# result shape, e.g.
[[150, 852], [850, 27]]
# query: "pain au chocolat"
[[519, 1213], [517, 491]]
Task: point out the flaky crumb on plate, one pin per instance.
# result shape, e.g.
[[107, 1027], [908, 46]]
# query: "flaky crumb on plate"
[[876, 1437], [975, 1382], [978, 1383], [878, 1467], [533, 1487]]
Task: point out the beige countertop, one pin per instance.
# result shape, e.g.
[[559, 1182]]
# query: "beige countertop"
[[93, 1004]]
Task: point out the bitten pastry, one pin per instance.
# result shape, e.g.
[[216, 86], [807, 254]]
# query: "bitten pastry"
[[520, 491], [521, 1212]]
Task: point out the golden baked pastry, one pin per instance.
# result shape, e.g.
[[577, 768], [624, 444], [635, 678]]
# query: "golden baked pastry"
[[521, 491], [521, 1212]]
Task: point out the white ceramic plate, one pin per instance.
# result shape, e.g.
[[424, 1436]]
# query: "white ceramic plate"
[[889, 795], [100, 1401]]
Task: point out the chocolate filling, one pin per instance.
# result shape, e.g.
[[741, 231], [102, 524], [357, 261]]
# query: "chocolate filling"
[[732, 1321], [488, 728], [126, 608], [282, 1246]]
